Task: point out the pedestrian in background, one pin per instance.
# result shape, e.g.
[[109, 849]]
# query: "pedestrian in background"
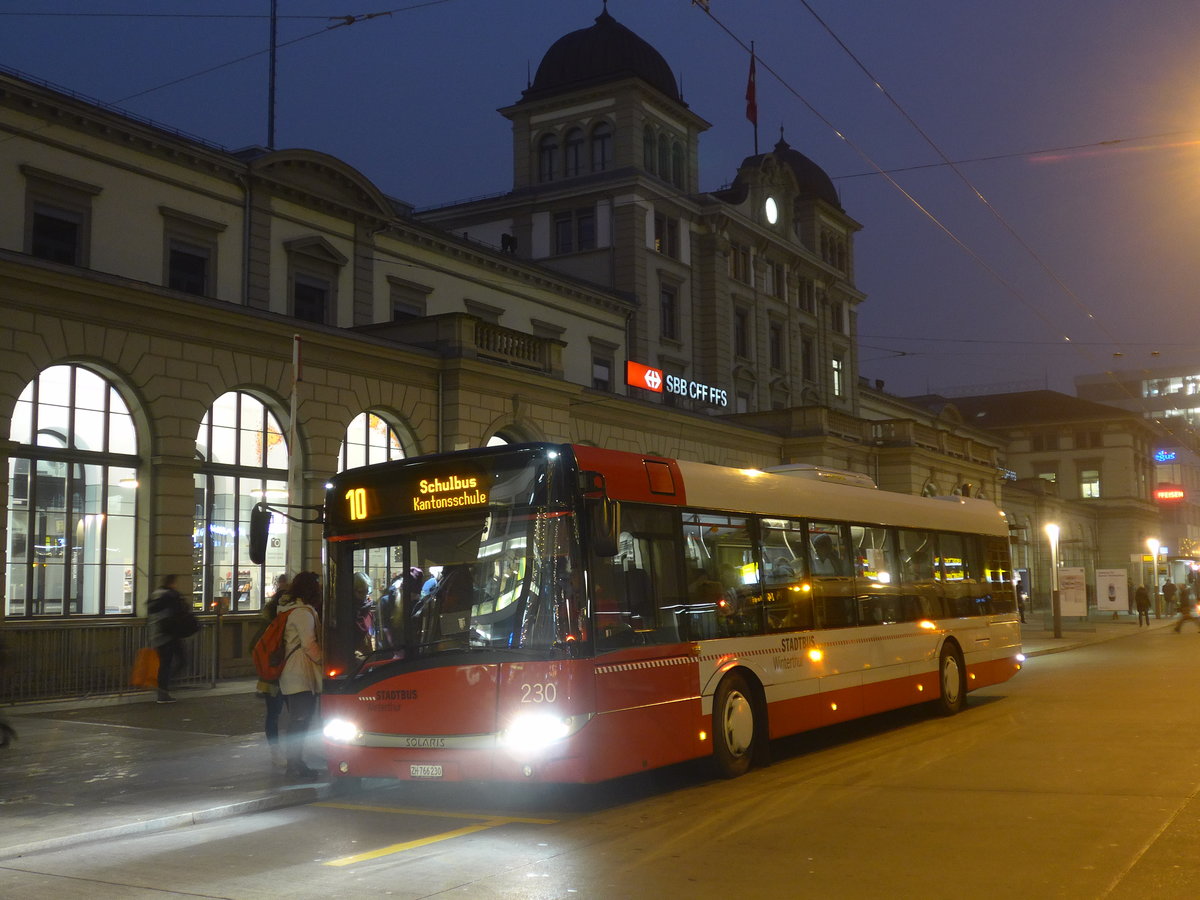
[[1184, 593], [269, 690], [165, 608], [300, 682], [1141, 599], [1168, 596]]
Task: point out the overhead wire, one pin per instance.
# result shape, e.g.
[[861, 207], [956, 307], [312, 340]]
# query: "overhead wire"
[[878, 170], [920, 207]]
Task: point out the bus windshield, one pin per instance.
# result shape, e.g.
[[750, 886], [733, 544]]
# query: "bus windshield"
[[504, 577]]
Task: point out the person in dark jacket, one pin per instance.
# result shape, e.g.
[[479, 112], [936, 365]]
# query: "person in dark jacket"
[[1141, 599], [165, 607]]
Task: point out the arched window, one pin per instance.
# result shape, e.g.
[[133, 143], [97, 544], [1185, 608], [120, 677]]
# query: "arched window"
[[72, 497], [369, 440], [649, 149], [677, 168], [573, 156], [601, 147], [547, 151], [664, 157], [243, 460], [497, 440]]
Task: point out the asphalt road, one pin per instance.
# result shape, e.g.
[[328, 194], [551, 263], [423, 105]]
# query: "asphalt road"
[[1077, 779]]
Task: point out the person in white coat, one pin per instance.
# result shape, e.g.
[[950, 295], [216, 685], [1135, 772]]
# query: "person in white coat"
[[300, 682]]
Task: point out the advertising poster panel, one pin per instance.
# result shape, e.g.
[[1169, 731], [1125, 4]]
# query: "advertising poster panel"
[[1072, 591], [1112, 589]]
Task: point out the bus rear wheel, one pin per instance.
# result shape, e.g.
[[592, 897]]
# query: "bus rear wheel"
[[952, 677], [734, 727]]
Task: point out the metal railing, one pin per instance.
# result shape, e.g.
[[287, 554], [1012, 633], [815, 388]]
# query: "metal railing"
[[48, 662]]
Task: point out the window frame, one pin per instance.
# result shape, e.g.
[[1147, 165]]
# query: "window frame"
[[55, 196]]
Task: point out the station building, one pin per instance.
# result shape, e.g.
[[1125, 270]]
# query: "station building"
[[188, 330]]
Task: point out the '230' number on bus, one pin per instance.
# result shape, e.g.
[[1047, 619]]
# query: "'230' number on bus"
[[356, 499], [539, 693]]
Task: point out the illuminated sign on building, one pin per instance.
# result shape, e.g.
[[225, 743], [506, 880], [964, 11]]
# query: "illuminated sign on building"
[[1168, 493], [1165, 455], [649, 378]]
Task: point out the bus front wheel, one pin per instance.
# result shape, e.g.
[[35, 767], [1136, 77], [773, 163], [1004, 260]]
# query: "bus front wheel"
[[734, 727], [952, 677]]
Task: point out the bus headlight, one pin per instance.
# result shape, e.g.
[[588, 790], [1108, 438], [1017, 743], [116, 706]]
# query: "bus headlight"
[[535, 731], [341, 731]]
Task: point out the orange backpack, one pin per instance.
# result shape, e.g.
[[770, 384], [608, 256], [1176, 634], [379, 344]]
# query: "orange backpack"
[[269, 651]]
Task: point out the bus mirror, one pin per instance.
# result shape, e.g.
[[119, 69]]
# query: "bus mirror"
[[260, 526], [591, 482], [605, 524]]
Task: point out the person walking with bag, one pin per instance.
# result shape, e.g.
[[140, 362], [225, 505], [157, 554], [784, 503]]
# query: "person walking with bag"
[[269, 690], [167, 610], [300, 681]]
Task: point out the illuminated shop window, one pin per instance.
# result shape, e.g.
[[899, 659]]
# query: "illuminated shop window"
[[243, 460], [72, 498]]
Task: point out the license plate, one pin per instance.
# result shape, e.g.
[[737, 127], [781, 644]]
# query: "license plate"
[[425, 771]]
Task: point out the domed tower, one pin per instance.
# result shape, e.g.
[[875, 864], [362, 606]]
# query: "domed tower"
[[603, 100]]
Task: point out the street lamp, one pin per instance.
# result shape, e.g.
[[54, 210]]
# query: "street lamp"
[[1052, 534], [1152, 544]]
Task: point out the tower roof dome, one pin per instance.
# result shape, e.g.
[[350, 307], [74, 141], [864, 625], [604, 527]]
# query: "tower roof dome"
[[810, 177], [606, 51]]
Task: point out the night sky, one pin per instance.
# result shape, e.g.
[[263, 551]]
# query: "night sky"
[[1077, 120]]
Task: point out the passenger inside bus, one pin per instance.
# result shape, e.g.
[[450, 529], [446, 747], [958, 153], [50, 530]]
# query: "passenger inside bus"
[[825, 558]]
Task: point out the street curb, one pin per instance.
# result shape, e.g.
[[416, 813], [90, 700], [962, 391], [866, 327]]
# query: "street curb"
[[288, 797]]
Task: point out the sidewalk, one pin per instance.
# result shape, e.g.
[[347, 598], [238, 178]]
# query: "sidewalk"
[[83, 770]]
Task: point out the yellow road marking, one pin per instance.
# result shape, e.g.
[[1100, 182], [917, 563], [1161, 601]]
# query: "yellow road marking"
[[435, 813], [489, 822]]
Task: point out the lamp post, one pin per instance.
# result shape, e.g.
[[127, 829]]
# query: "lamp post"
[[1152, 544], [1052, 534]]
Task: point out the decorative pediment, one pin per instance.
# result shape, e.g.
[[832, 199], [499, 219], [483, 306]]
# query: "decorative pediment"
[[323, 177]]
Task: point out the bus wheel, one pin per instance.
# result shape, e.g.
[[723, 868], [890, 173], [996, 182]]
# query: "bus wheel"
[[733, 727], [952, 678]]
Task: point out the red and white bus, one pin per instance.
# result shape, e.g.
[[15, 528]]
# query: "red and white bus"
[[563, 613]]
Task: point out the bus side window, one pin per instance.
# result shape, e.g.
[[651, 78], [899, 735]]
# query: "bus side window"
[[960, 570], [787, 600], [832, 575], [879, 599], [923, 593]]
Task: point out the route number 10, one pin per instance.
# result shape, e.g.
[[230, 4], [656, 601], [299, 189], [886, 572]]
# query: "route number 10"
[[356, 499]]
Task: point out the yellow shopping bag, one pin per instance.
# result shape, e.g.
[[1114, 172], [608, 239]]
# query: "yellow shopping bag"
[[145, 669]]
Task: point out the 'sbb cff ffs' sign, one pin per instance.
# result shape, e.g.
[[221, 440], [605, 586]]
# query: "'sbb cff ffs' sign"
[[651, 379]]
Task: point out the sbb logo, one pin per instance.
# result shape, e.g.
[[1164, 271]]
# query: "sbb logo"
[[642, 376]]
